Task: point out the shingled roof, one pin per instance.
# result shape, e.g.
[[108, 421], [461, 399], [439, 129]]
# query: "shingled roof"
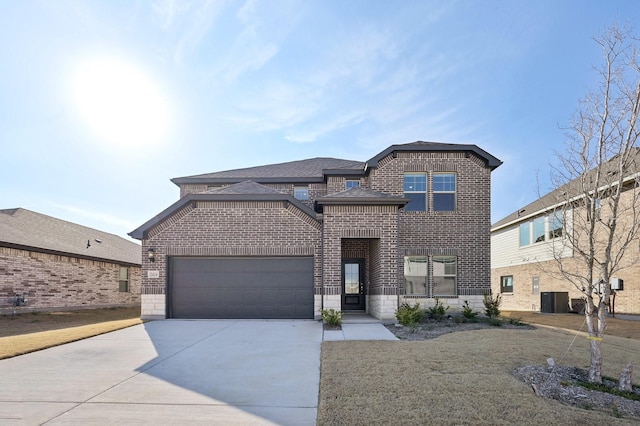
[[28, 230], [358, 195], [312, 169], [572, 189]]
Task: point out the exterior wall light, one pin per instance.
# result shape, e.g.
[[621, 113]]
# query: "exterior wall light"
[[152, 255]]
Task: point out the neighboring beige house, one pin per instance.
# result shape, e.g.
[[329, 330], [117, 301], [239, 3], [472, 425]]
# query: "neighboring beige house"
[[522, 260], [288, 240], [55, 264]]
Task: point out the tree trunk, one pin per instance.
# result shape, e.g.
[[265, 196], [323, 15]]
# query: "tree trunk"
[[625, 379], [596, 331]]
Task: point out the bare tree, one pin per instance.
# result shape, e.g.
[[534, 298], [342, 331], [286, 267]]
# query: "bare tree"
[[597, 185]]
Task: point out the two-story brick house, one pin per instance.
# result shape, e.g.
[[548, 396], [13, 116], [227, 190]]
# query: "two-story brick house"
[[288, 240]]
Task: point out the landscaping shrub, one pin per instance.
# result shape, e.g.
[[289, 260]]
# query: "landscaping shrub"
[[331, 316], [467, 312], [491, 305], [437, 311], [409, 315]]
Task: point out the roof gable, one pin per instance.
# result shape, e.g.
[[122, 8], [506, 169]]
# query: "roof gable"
[[26, 229], [491, 161], [243, 191]]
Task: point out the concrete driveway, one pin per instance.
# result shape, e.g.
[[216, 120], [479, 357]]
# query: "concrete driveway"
[[171, 372]]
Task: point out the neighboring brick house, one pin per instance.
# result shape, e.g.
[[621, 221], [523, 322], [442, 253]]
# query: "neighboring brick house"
[[522, 253], [55, 264], [288, 240]]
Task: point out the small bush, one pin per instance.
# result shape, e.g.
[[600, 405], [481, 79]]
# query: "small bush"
[[437, 311], [467, 312], [494, 321], [409, 315], [516, 321], [331, 316], [491, 305]]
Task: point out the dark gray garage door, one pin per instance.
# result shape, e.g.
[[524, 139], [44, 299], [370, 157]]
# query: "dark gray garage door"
[[232, 287]]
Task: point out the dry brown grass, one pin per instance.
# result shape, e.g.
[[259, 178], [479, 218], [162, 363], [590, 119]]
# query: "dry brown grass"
[[458, 378], [28, 332]]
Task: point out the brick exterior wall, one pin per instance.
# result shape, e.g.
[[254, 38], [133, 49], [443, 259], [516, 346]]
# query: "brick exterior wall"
[[463, 233], [226, 228], [523, 298], [380, 234], [50, 282]]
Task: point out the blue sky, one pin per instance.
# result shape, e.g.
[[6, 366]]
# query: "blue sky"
[[102, 102]]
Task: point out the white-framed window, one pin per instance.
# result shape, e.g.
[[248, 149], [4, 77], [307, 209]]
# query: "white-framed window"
[[415, 188], [444, 275], [444, 192], [535, 285], [301, 192], [525, 234], [351, 183], [506, 284], [556, 225], [415, 274], [123, 279], [541, 229]]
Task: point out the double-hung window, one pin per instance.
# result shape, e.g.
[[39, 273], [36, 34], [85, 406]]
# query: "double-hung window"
[[123, 279], [444, 192], [444, 275], [415, 188], [415, 274]]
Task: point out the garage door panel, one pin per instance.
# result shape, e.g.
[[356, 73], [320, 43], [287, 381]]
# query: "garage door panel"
[[241, 287]]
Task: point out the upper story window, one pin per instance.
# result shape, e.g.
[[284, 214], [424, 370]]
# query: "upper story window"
[[541, 229], [444, 192], [415, 188], [301, 192], [351, 184], [538, 229]]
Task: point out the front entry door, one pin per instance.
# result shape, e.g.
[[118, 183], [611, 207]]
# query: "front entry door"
[[353, 285]]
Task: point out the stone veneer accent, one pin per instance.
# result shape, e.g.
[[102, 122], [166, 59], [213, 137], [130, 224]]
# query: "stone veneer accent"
[[50, 281]]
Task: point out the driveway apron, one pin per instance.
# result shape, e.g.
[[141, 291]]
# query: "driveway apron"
[[171, 372]]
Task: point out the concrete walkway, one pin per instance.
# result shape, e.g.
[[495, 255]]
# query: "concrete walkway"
[[177, 372], [359, 327]]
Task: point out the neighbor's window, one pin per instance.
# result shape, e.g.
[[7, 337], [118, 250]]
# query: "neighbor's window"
[[538, 229], [444, 275], [301, 192], [415, 274], [535, 285], [351, 184], [596, 206], [415, 188], [525, 234], [123, 279], [444, 192], [506, 284], [556, 225]]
